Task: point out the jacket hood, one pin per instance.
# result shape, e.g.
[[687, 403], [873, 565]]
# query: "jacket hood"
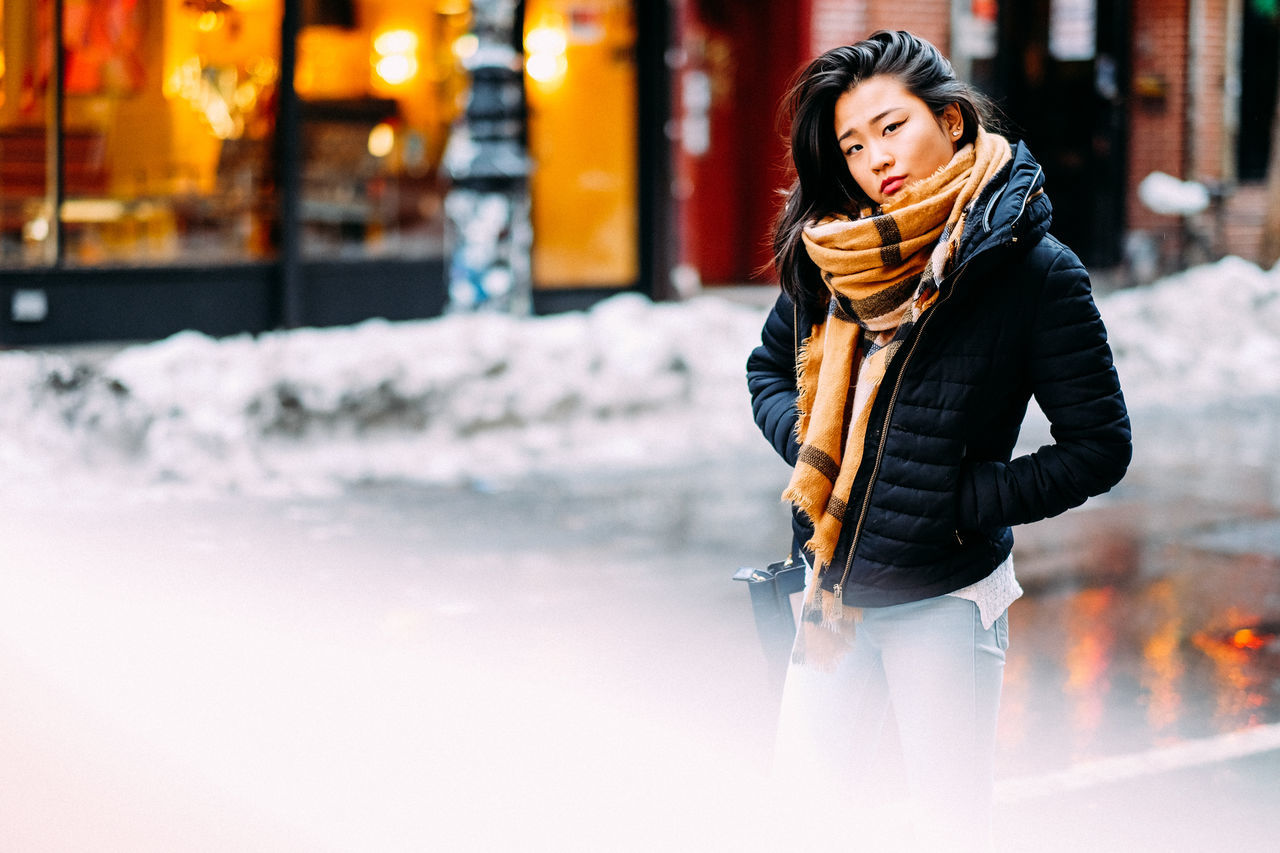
[[1012, 209]]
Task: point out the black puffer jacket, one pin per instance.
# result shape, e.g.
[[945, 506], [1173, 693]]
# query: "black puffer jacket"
[[936, 492]]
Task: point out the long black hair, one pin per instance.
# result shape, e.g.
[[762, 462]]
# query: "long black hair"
[[822, 183]]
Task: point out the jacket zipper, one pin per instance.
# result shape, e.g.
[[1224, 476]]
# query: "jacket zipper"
[[838, 591]]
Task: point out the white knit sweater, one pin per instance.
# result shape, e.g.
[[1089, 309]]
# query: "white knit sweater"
[[994, 593]]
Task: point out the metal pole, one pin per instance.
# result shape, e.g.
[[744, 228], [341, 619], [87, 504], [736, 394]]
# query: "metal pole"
[[487, 218], [658, 234], [288, 145], [55, 109]]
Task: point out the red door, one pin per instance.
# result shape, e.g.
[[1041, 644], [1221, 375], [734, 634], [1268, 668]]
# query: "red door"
[[739, 56]]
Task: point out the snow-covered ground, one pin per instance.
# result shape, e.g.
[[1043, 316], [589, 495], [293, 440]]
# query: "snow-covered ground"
[[481, 396]]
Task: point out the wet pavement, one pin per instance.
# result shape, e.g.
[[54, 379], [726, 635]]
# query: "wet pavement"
[[563, 663]]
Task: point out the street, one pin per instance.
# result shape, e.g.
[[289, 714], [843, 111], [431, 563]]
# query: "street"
[[561, 662]]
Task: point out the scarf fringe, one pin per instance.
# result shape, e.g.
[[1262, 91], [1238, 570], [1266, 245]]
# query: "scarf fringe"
[[827, 631]]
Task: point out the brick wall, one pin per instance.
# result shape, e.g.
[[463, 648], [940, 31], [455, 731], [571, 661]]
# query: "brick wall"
[[833, 23], [1209, 34], [837, 22], [1158, 131], [930, 19], [1157, 103], [1243, 217]]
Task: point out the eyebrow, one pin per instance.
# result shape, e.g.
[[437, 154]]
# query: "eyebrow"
[[850, 131]]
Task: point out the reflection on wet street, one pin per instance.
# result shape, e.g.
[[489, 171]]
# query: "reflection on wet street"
[[1153, 611], [1143, 661]]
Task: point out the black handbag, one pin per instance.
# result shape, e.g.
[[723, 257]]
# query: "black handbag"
[[771, 589]]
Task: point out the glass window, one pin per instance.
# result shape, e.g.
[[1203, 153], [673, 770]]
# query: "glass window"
[[167, 128], [379, 85], [26, 230], [580, 64]]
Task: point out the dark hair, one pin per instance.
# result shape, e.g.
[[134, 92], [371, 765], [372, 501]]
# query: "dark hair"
[[822, 184]]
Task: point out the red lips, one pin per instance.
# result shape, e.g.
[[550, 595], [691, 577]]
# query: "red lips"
[[893, 184]]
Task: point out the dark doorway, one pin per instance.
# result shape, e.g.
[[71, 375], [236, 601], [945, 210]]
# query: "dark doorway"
[[1259, 71], [1066, 105]]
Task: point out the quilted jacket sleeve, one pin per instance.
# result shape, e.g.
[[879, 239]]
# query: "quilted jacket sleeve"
[[1075, 383], [771, 378]]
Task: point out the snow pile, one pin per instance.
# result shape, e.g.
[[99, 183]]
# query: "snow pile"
[[461, 396], [1163, 193], [1204, 336], [484, 395]]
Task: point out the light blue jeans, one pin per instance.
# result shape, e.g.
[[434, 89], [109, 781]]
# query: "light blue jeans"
[[941, 672]]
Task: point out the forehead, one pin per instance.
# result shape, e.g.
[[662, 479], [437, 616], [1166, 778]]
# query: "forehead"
[[864, 103]]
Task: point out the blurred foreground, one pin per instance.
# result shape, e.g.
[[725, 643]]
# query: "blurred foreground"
[[562, 663], [464, 585]]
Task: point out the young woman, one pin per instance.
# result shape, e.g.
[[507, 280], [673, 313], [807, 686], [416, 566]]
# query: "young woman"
[[923, 303]]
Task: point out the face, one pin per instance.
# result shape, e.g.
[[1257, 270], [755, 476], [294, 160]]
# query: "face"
[[889, 137]]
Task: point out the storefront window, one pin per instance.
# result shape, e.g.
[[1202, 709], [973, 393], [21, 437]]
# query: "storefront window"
[[582, 92], [167, 128], [25, 193], [380, 85]]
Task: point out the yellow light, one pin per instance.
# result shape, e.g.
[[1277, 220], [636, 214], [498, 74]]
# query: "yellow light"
[[465, 46], [395, 42], [546, 46], [397, 69], [208, 22], [382, 139], [395, 56], [36, 230], [545, 40], [1247, 638], [546, 67]]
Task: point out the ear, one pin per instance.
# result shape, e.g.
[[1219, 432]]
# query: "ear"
[[952, 122]]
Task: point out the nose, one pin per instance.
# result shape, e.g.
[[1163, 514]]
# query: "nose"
[[879, 157]]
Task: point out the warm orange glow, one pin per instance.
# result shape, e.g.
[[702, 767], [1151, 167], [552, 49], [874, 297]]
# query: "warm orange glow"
[[1163, 666], [1242, 688], [585, 187], [546, 46], [208, 22], [396, 56], [1088, 658], [382, 140], [546, 68], [395, 41], [546, 40], [1247, 638], [397, 69]]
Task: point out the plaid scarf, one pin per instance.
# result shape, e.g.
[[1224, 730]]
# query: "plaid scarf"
[[882, 268]]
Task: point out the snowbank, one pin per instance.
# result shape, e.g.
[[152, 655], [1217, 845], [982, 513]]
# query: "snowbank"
[[480, 395], [1204, 336], [483, 396]]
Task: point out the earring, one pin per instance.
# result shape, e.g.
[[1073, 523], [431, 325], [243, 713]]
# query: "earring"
[[955, 133]]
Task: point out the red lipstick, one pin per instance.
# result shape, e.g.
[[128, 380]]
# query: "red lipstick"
[[893, 184]]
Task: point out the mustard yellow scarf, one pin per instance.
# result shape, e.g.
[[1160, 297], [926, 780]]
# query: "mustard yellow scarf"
[[882, 268]]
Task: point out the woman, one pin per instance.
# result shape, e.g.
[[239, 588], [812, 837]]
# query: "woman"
[[923, 303]]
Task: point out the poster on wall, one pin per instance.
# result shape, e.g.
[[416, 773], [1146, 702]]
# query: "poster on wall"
[[1073, 28], [976, 29]]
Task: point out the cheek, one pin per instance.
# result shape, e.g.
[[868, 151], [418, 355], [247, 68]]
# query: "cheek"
[[941, 150], [865, 181]]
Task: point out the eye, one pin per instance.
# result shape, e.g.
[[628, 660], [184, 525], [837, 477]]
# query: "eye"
[[853, 149], [890, 128]]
